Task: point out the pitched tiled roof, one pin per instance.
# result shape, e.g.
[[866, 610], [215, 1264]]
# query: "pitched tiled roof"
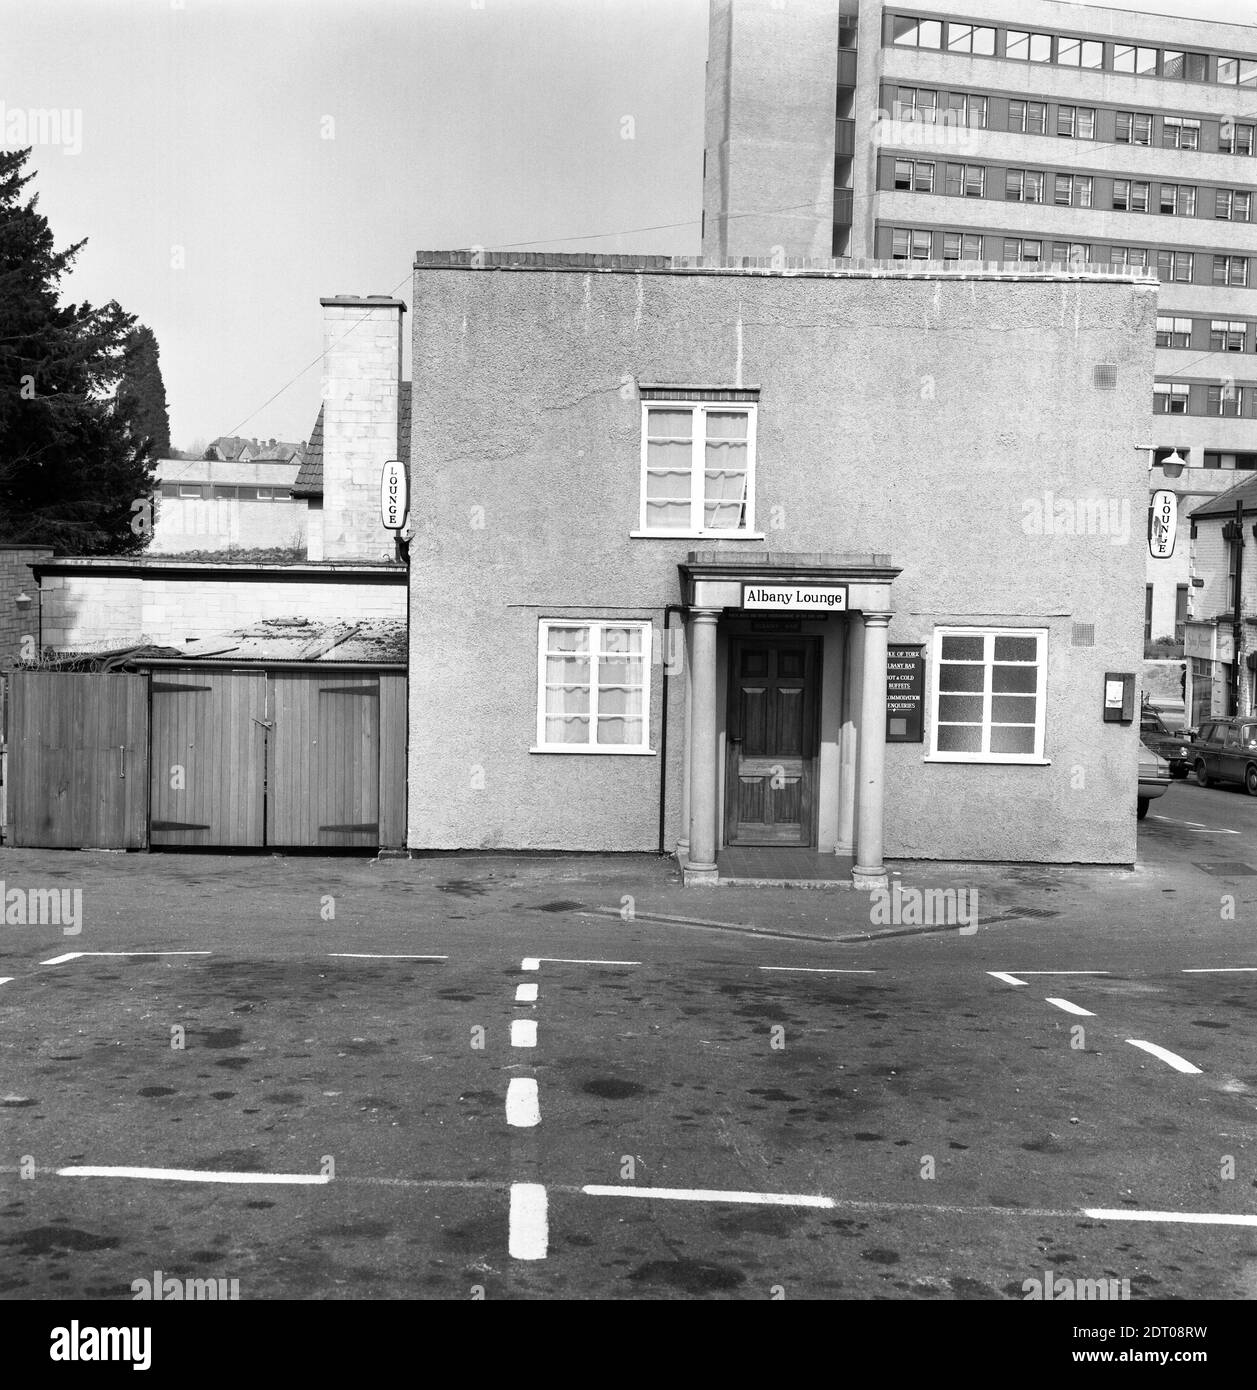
[[1224, 504], [310, 480]]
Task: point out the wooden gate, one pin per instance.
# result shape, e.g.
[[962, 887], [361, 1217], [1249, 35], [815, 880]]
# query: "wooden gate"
[[78, 760]]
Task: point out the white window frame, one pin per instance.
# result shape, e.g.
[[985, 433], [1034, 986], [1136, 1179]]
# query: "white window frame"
[[1036, 758], [595, 626], [1171, 326], [698, 440]]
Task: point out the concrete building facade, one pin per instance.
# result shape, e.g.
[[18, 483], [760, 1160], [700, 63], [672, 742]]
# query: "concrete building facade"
[[676, 525]]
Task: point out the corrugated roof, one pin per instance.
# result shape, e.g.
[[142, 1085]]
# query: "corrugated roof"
[[1224, 504], [369, 643]]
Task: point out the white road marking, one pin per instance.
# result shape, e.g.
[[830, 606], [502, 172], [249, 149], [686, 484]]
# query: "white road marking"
[[530, 1225], [4, 979], [530, 963], [523, 1108], [195, 1175], [1193, 1218], [1064, 972], [368, 955], [1007, 978], [1070, 1008], [816, 970], [700, 1194], [1172, 1058], [1222, 970], [75, 955], [526, 994], [1195, 827], [61, 960], [523, 1032], [565, 960]]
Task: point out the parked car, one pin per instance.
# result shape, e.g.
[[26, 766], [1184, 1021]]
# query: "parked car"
[[1154, 777], [1174, 747], [1225, 750]]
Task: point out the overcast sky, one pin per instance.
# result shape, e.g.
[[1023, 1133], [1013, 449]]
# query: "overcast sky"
[[240, 158]]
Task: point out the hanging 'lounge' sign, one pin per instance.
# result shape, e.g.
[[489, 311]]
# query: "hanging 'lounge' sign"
[[394, 498], [781, 598], [1162, 524]]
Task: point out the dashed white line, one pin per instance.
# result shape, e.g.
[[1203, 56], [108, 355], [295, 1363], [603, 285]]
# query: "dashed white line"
[[1192, 1218], [816, 970], [567, 960], [1007, 978], [523, 1032], [523, 1107], [195, 1175], [526, 994], [1070, 1008], [1165, 1055], [1222, 970], [529, 1223], [369, 955], [700, 1194]]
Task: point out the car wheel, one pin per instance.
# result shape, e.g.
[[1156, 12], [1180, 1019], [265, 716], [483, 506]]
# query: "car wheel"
[[1250, 779], [1201, 775], [1143, 810]]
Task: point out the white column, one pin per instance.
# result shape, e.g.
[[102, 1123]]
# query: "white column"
[[700, 862], [853, 658], [683, 837], [869, 871]]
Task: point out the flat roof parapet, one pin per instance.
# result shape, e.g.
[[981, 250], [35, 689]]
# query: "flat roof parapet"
[[786, 267]]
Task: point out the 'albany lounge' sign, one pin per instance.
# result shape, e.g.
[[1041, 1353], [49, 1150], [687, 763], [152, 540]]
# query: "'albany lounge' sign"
[[777, 598]]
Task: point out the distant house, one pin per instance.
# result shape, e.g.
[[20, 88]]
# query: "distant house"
[[1223, 532], [224, 506], [233, 449]]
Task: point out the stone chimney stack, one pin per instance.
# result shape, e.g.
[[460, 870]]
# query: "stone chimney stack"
[[362, 369]]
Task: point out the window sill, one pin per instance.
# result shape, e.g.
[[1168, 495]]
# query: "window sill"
[[697, 535], [578, 749], [987, 762]]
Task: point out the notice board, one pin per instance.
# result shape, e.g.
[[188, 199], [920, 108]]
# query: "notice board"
[[905, 694]]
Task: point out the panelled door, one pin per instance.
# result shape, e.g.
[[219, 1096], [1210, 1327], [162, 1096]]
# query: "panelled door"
[[209, 757], [771, 741], [78, 760]]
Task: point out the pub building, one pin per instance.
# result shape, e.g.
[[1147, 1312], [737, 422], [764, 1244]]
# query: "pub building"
[[735, 562]]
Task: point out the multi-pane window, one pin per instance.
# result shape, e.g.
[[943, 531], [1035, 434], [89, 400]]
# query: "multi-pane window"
[[1033, 48], [1131, 195], [593, 686], [916, 104], [1226, 399], [1132, 58], [1169, 398], [916, 175], [965, 109], [909, 244], [1136, 256], [697, 468], [1233, 205], [1193, 67], [1133, 128], [1234, 137], [1227, 335], [1023, 186], [1241, 71], [1092, 53], [1018, 248], [1078, 122], [1230, 270], [1072, 190], [971, 38], [1180, 133], [989, 701], [1175, 265], [1178, 199], [1027, 117], [965, 180], [1071, 252], [1173, 332], [917, 33], [962, 246]]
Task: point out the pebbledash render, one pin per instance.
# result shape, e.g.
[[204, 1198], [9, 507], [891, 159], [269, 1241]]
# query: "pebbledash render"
[[669, 515]]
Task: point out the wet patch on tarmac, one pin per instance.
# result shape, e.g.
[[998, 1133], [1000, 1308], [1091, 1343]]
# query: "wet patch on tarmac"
[[689, 1276], [612, 1088]]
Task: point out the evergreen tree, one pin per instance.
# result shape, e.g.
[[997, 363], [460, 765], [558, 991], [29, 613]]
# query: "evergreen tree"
[[73, 458], [144, 391]]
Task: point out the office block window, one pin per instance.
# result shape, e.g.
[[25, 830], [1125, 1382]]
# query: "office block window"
[[1072, 190], [1132, 58], [1233, 205], [1027, 117], [909, 244], [1237, 71], [1131, 195], [965, 109], [1178, 199], [916, 175], [965, 180], [698, 468], [1033, 48], [1225, 399], [1230, 270], [1235, 137], [988, 701], [962, 246], [1077, 122], [1022, 249], [916, 104], [1173, 332], [1023, 186], [971, 38], [917, 33], [1175, 265], [1180, 133], [1071, 252], [1228, 335], [1169, 398], [1133, 128], [1136, 256], [593, 686]]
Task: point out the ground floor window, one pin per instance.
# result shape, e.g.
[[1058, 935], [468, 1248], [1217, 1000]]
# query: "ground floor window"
[[989, 688], [593, 687]]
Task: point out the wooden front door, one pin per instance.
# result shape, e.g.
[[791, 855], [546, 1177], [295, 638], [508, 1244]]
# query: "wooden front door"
[[771, 737]]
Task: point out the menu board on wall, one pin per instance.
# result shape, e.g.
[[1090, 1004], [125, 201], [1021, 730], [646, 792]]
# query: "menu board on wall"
[[905, 694]]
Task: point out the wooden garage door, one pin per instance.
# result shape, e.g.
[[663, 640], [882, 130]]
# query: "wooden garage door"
[[324, 766], [78, 760], [209, 757]]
